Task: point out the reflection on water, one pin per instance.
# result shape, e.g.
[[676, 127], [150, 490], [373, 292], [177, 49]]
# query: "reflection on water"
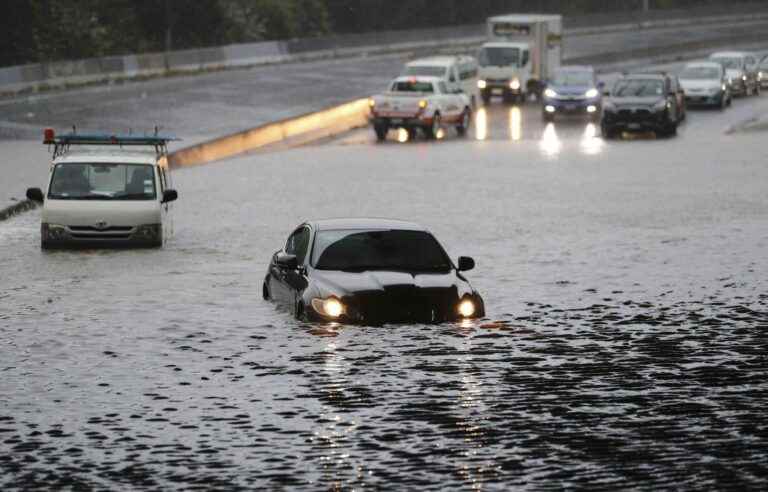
[[481, 124], [591, 143], [515, 124], [402, 135], [550, 143]]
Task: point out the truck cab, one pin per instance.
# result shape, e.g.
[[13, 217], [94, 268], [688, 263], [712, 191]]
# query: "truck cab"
[[520, 54]]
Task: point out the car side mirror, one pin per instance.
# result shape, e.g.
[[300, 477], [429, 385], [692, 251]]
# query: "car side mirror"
[[169, 196], [35, 194], [287, 262], [466, 263]]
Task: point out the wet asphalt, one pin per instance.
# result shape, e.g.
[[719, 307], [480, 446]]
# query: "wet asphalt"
[[624, 346]]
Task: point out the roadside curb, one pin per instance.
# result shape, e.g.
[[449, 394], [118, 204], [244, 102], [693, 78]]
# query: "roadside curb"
[[17, 208]]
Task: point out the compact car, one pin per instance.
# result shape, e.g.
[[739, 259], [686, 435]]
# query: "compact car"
[[705, 84], [370, 271], [573, 90], [741, 70], [644, 102]]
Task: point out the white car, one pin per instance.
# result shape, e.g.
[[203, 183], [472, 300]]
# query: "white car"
[[705, 84], [106, 190], [458, 73], [419, 103]]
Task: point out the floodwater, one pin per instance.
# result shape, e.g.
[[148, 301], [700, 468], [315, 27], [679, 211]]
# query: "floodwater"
[[627, 300]]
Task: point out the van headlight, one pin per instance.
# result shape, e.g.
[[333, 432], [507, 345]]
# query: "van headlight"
[[466, 308], [550, 93], [514, 84], [148, 231], [53, 231], [591, 93], [482, 84], [330, 307]]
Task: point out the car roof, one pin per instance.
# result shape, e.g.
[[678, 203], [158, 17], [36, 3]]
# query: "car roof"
[[108, 154], [708, 64], [438, 61], [418, 78], [576, 68], [352, 223], [730, 54]]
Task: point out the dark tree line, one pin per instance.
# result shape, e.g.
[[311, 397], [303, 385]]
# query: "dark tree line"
[[48, 30]]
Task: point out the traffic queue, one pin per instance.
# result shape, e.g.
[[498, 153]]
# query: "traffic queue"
[[521, 62]]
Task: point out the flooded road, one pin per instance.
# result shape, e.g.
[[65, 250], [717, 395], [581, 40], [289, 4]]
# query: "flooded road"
[[627, 300]]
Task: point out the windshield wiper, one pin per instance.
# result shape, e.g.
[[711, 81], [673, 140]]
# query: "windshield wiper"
[[132, 196]]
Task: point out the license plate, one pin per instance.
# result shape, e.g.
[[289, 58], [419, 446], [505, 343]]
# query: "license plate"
[[497, 92], [396, 121], [634, 126]]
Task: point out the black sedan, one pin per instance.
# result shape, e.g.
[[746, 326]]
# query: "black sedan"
[[370, 271], [644, 102]]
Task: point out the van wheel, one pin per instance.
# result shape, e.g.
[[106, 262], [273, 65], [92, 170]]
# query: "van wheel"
[[44, 245], [381, 132], [465, 122], [301, 315], [265, 292], [432, 131]]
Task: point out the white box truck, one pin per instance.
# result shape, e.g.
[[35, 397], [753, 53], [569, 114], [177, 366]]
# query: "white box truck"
[[522, 51]]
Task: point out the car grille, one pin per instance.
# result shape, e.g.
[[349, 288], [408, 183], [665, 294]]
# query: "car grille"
[[635, 114], [406, 303], [111, 232]]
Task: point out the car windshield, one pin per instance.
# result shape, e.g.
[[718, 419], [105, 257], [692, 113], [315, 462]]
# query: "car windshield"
[[729, 62], [360, 250], [638, 88], [412, 86], [425, 71], [499, 57], [573, 78], [700, 73], [102, 181]]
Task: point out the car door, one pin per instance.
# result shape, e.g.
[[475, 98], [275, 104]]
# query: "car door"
[[450, 102], [287, 284]]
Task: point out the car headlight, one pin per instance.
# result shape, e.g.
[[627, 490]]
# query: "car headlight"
[[760, 75], [661, 105], [744, 78], [466, 308], [591, 93], [53, 231], [482, 84], [550, 93], [371, 103], [330, 307], [723, 88], [514, 84], [423, 104]]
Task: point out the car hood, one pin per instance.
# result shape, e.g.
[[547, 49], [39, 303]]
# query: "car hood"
[[89, 212], [635, 101], [699, 84], [570, 90], [350, 283]]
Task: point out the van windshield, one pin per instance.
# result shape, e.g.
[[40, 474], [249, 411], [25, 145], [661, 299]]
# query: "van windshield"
[[499, 57], [102, 181], [412, 86], [425, 71]]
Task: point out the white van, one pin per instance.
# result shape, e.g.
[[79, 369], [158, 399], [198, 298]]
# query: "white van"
[[106, 190], [458, 72]]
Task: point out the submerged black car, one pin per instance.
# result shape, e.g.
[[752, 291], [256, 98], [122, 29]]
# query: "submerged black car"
[[370, 271], [644, 102]]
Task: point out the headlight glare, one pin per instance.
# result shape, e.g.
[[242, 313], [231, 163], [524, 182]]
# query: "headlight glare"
[[466, 308], [330, 307], [514, 84], [592, 93], [482, 84], [550, 93], [423, 103]]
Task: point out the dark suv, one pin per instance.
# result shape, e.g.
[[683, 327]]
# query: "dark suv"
[[644, 102]]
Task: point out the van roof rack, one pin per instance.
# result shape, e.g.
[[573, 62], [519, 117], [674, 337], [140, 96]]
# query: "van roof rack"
[[62, 143]]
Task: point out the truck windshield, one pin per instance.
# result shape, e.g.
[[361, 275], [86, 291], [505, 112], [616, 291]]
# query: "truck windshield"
[[412, 86], [102, 181], [361, 250], [425, 71], [499, 57]]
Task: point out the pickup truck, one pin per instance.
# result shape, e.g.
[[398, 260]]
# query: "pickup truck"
[[419, 103]]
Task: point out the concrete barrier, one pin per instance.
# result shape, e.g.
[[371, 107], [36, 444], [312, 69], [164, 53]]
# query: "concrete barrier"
[[30, 78], [301, 129]]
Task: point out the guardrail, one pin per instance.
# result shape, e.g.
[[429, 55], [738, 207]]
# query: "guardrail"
[[31, 78]]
